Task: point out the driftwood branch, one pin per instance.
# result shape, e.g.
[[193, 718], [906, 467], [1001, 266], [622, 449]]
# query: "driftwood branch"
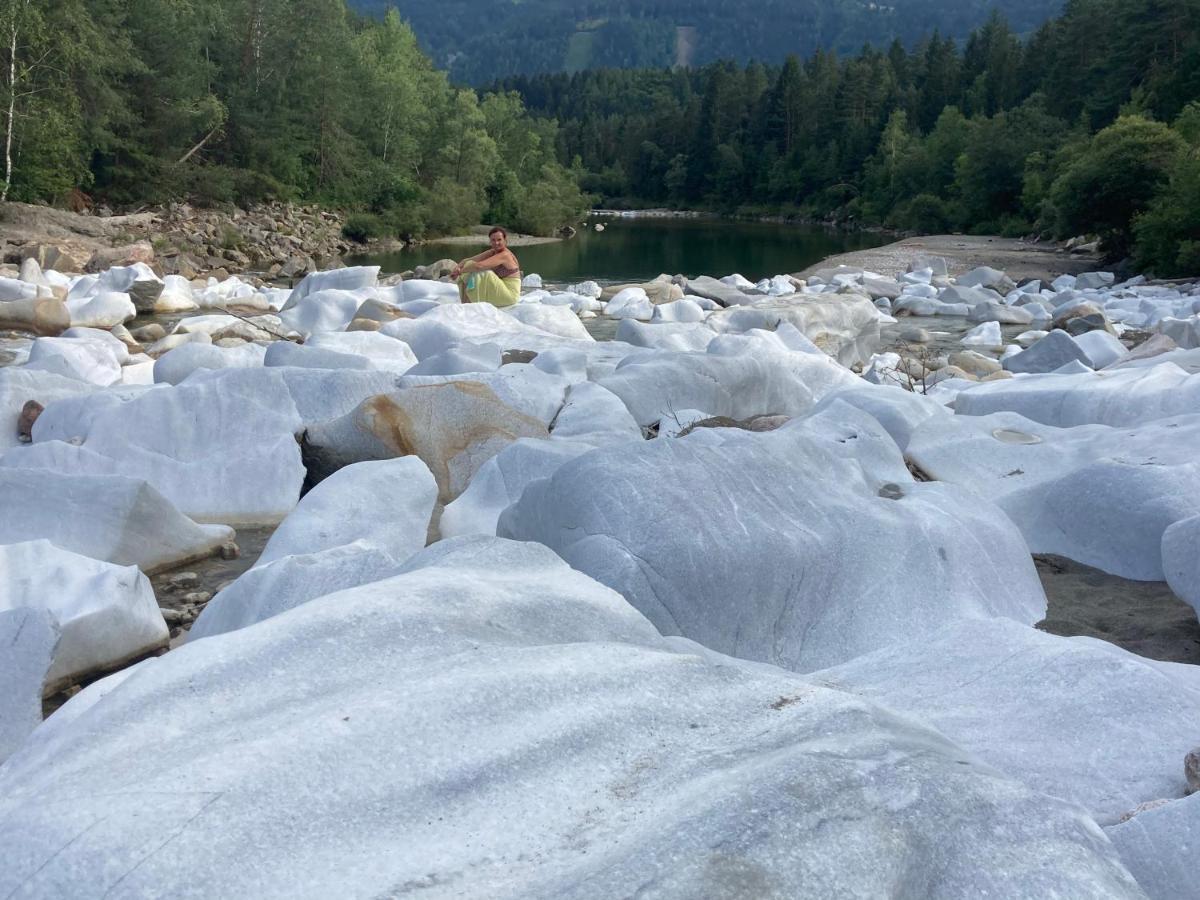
[[204, 140]]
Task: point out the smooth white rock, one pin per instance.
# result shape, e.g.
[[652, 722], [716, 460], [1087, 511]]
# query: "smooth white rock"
[[1099, 495], [1181, 560], [384, 352], [460, 360], [500, 482], [985, 335], [782, 547], [176, 365], [1159, 847], [495, 683], [107, 614], [102, 311], [326, 310], [112, 518], [19, 385], [594, 413], [1118, 397], [557, 320], [630, 303], [681, 336], [352, 278], [685, 310], [91, 361], [28, 637], [1076, 718], [384, 503]]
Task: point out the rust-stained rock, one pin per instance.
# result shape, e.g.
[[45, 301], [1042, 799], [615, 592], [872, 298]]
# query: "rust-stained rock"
[[44, 316], [454, 428]]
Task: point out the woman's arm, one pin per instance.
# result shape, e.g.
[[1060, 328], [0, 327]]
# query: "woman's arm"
[[476, 259], [503, 258]]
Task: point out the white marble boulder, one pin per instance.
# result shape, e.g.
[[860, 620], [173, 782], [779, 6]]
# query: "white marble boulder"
[[803, 547], [844, 326], [653, 385], [221, 450], [500, 482], [28, 638], [109, 517], [491, 685], [1158, 846], [1181, 559], [453, 427], [1117, 397], [388, 503], [19, 385], [107, 614], [1101, 496], [1077, 718]]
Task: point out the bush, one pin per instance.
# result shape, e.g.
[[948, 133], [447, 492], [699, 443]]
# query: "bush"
[[924, 213], [362, 227]]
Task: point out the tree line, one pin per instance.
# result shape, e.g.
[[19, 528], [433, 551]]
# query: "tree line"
[[1092, 125], [135, 101]]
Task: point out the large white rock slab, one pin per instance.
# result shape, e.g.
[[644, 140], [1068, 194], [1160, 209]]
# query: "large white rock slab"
[[91, 361], [107, 614], [120, 520], [594, 413], [1099, 495], [28, 637], [1159, 847], [652, 385], [559, 320], [489, 685], [221, 451], [500, 482], [522, 386], [325, 310], [682, 336], [1116, 397], [803, 547], [386, 503], [845, 326], [1076, 718], [351, 278], [268, 589], [446, 325], [384, 352], [19, 385]]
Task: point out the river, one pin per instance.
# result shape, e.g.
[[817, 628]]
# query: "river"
[[637, 249]]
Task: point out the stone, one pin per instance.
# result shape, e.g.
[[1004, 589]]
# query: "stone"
[[1092, 281], [1099, 495], [221, 450], [630, 303], [19, 386], [106, 614], [29, 636], [87, 359], [1118, 398], [1191, 771], [454, 428], [483, 634], [344, 280], [1181, 559], [1052, 352], [29, 414], [754, 533], [174, 366], [593, 413], [47, 316], [148, 334], [987, 277], [985, 335], [1076, 717], [319, 311], [914, 335], [387, 504], [975, 364], [1158, 847], [993, 311], [1101, 348], [107, 517], [500, 482], [139, 252], [845, 327]]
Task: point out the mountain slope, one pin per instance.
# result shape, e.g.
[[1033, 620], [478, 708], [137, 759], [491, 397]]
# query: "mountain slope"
[[479, 41]]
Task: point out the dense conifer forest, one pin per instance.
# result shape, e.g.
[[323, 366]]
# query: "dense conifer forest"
[[1090, 123]]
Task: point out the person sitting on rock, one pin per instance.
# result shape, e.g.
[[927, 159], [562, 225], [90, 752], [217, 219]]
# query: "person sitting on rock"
[[493, 276]]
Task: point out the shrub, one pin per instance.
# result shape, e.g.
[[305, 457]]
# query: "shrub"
[[361, 227]]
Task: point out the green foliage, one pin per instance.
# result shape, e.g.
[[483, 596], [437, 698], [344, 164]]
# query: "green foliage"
[[362, 227], [1115, 179]]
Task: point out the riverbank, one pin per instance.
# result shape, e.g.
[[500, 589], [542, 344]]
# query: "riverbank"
[[1020, 259]]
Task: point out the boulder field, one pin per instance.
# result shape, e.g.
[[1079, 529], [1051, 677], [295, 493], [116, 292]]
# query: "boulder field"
[[738, 604]]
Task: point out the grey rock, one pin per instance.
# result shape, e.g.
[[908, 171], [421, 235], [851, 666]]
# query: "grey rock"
[[1191, 771], [999, 312], [1093, 281], [985, 276], [975, 363], [914, 335], [1052, 352]]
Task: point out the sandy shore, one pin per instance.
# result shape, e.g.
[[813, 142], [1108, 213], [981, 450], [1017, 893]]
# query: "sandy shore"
[[481, 240], [1021, 260]]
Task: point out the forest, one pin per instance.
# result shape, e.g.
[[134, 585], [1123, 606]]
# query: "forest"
[[235, 101], [478, 43], [1067, 132]]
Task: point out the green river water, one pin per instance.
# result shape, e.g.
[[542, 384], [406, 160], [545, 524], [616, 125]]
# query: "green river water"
[[637, 249]]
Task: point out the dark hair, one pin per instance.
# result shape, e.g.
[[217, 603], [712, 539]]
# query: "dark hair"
[[499, 229]]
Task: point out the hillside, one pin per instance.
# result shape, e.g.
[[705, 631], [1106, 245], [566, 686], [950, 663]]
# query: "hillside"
[[479, 42]]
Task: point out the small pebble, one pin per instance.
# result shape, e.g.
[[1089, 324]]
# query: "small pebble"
[[230, 550], [197, 598], [1191, 770], [183, 580]]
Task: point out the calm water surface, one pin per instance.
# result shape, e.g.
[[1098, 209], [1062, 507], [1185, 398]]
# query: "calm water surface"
[[637, 249]]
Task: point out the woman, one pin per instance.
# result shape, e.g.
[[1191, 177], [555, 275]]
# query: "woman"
[[493, 276]]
